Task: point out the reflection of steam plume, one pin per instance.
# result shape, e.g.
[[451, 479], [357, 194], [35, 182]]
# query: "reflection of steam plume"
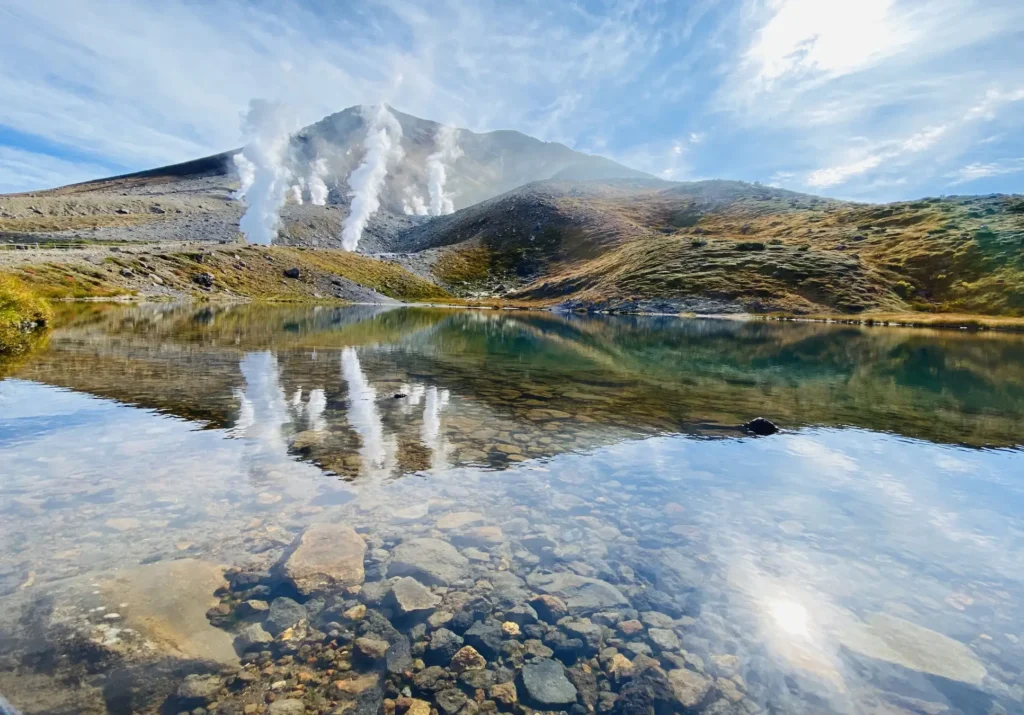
[[315, 410], [267, 126], [246, 175], [317, 187], [383, 144], [378, 450], [264, 408], [431, 430], [447, 151]]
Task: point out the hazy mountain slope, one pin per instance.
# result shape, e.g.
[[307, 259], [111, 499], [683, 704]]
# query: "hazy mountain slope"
[[734, 246]]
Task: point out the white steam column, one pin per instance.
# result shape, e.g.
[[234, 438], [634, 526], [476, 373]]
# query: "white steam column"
[[267, 126], [383, 144]]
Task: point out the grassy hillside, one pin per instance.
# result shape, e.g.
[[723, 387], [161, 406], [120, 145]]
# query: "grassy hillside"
[[271, 274], [758, 248], [23, 315]]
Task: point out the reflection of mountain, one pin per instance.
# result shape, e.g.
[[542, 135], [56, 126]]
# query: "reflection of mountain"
[[430, 387]]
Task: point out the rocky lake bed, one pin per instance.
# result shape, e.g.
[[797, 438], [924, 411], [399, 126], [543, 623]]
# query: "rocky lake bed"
[[432, 513]]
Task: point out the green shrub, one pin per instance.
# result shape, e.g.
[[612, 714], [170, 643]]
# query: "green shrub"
[[904, 290], [698, 242]]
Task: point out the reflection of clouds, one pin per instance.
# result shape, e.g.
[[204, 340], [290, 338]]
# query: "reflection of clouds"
[[823, 456], [378, 450]]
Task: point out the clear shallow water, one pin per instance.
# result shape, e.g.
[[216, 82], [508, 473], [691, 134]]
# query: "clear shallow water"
[[867, 559]]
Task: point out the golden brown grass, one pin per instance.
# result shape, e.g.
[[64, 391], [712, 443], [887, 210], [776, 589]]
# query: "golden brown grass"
[[238, 273], [23, 315]]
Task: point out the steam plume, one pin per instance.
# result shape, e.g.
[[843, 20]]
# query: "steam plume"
[[383, 143], [295, 192], [317, 187], [446, 152], [268, 127], [413, 204], [246, 175]]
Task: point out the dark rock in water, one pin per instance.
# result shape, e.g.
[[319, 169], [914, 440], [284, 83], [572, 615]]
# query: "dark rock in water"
[[252, 636], [590, 633], [585, 681], [486, 637], [443, 645], [450, 700], [461, 621], [565, 648], [292, 273], [646, 692], [544, 684], [399, 656], [521, 615], [284, 613], [432, 679], [761, 427]]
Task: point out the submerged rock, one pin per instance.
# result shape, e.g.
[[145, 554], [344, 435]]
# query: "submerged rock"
[[430, 561], [689, 688], [893, 640], [545, 685], [326, 555], [166, 603], [578, 592], [284, 613], [252, 636], [410, 596], [443, 646]]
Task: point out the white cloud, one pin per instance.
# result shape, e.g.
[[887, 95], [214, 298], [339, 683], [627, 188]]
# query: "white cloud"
[[981, 170], [832, 38], [994, 99], [924, 139], [833, 175], [19, 169]]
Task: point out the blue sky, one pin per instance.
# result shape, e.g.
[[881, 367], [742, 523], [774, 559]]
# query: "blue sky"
[[861, 99]]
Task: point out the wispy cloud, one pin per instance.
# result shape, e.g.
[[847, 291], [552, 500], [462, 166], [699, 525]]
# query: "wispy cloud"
[[834, 94], [979, 170]]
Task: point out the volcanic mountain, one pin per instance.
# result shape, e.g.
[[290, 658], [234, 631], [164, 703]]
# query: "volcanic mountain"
[[539, 222]]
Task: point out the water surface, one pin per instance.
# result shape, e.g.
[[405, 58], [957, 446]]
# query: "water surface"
[[865, 559]]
